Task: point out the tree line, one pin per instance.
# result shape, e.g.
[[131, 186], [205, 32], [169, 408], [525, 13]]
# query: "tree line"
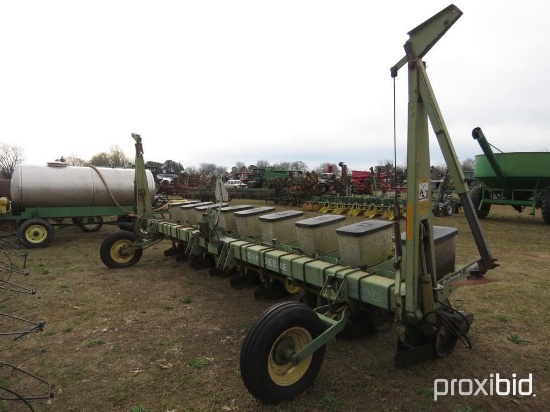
[[12, 155]]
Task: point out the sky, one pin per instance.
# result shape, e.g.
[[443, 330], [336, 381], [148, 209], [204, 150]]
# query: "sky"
[[241, 81]]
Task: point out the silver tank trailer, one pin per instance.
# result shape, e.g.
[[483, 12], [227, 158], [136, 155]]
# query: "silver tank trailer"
[[62, 185]]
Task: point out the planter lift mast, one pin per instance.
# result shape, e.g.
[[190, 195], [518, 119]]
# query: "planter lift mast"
[[289, 342]]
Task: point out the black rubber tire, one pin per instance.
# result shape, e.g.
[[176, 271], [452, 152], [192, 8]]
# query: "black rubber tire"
[[475, 196], [358, 326], [89, 223], [111, 246], [280, 323], [35, 233], [381, 319], [545, 206], [17, 223]]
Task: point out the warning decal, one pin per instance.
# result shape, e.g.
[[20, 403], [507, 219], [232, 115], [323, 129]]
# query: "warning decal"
[[423, 189]]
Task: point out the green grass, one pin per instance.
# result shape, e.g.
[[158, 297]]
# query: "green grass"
[[95, 342], [331, 402], [514, 337], [138, 409], [198, 363], [502, 318]]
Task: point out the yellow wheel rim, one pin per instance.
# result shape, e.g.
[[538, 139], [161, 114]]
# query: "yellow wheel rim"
[[292, 289], [36, 234], [116, 251], [285, 373]]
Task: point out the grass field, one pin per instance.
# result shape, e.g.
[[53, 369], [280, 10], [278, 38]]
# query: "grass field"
[[160, 336]]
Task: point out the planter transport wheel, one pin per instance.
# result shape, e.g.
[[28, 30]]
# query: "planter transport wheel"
[[113, 253], [277, 334]]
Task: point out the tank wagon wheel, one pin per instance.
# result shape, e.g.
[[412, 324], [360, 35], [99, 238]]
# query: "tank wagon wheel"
[[475, 196], [545, 206], [89, 223], [35, 233], [112, 250], [265, 365]]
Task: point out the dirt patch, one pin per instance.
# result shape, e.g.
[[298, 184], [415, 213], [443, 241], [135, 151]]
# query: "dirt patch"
[[165, 337]]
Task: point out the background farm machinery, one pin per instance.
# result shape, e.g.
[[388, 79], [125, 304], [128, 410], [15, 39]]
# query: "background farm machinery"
[[518, 179], [407, 277], [38, 198], [288, 187], [383, 205]]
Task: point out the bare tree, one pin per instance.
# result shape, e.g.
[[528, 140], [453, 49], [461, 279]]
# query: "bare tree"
[[118, 158], [468, 164], [295, 165], [75, 161], [208, 170], [326, 168], [101, 159], [262, 163], [221, 171], [299, 165], [115, 158], [438, 172], [192, 170], [235, 170], [239, 167], [10, 156]]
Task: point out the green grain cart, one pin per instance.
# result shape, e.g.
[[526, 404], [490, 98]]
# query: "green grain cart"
[[518, 179]]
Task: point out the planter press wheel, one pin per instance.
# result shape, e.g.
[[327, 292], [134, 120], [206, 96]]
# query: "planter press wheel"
[[112, 250], [89, 223], [290, 288], [265, 364], [444, 341], [35, 233], [381, 319]]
